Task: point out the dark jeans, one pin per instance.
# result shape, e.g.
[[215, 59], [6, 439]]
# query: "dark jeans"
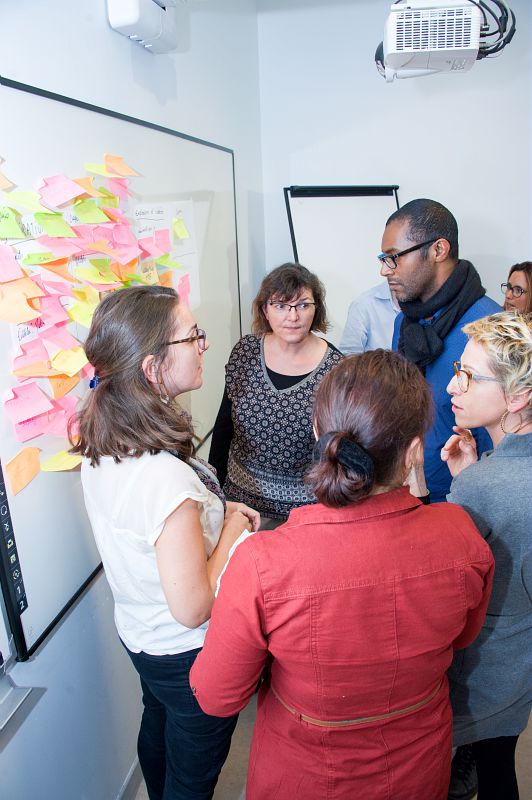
[[181, 749]]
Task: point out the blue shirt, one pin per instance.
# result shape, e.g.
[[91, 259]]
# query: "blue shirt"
[[438, 373], [370, 321]]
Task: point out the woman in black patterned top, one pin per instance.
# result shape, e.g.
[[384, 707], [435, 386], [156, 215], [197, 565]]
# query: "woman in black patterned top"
[[263, 438]]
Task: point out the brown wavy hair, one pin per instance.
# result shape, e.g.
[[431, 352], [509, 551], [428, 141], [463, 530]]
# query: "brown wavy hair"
[[526, 268], [281, 285], [123, 416], [379, 401]]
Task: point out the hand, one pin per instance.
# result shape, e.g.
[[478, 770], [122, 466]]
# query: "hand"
[[459, 451], [252, 516], [416, 474]]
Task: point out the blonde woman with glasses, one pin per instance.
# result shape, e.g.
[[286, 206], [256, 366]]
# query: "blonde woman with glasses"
[[262, 440], [491, 681]]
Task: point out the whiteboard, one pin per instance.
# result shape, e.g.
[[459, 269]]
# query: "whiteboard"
[[44, 134], [336, 232]]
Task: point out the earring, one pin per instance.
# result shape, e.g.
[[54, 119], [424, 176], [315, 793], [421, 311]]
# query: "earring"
[[505, 417], [163, 394]]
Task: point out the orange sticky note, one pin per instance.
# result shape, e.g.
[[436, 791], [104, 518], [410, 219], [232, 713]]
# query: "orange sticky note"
[[118, 165], [165, 279], [5, 183], [88, 188], [60, 267], [62, 384], [22, 469]]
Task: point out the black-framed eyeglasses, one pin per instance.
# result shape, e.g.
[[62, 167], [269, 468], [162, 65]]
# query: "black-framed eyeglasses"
[[200, 337], [285, 308], [465, 376], [516, 291], [391, 260]]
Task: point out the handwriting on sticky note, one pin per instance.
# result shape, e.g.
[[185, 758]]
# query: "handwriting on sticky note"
[[9, 225], [23, 468], [61, 462]]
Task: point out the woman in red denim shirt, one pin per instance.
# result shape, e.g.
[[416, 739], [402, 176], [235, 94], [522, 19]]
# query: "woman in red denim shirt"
[[356, 603]]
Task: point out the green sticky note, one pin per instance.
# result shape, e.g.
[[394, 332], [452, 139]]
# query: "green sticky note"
[[38, 258], [87, 211], [131, 279], [28, 200], [167, 262], [54, 225], [9, 227], [108, 199]]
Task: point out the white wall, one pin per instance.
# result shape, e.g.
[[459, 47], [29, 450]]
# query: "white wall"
[[77, 738], [329, 118]]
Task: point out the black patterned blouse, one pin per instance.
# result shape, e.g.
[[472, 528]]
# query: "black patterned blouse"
[[272, 441]]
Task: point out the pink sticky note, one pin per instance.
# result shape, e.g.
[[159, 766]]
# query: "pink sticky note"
[[183, 288], [88, 371], [9, 268], [28, 401], [115, 214], [31, 352], [58, 419], [52, 310], [149, 247], [127, 254], [60, 247], [58, 189], [119, 186], [162, 240], [123, 235], [60, 288], [57, 338], [30, 428]]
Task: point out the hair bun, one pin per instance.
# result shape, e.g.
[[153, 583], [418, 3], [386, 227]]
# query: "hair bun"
[[348, 453]]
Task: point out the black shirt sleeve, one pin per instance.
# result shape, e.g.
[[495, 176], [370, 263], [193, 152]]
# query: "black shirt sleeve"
[[222, 436]]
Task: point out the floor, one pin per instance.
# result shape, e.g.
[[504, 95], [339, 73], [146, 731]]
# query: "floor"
[[231, 785]]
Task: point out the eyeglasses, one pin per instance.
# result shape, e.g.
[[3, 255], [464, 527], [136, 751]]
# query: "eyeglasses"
[[200, 337], [391, 260], [465, 376], [516, 291], [285, 308]]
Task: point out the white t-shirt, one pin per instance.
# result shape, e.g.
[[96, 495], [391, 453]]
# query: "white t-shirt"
[[128, 504]]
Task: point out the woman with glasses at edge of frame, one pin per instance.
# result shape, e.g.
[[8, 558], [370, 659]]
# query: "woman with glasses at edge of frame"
[[160, 522], [356, 603], [518, 290], [262, 440], [491, 681]]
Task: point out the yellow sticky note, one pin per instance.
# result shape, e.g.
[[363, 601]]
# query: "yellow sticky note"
[[54, 225], [166, 261], [148, 272], [61, 462], [95, 275], [27, 200], [22, 469], [100, 169], [88, 212], [118, 165], [179, 228], [9, 226], [88, 294], [69, 362], [81, 313], [62, 384]]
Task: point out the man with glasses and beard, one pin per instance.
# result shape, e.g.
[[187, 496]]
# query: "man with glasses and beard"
[[438, 293]]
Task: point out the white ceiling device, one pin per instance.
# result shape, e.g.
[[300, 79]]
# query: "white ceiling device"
[[422, 37], [152, 24]]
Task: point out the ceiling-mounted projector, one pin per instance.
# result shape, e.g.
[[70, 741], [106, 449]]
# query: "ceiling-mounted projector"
[[422, 37]]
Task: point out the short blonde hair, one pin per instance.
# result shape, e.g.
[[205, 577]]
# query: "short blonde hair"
[[507, 339]]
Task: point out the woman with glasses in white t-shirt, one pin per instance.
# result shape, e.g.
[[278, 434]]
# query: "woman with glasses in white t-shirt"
[[160, 522]]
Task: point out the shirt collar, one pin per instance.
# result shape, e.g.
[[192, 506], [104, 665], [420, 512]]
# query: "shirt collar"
[[394, 502]]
